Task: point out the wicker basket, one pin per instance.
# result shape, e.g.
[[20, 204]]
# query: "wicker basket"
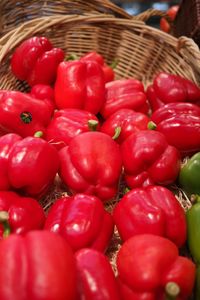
[[14, 13]]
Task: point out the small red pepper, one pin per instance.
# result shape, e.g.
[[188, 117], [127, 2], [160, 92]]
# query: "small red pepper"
[[80, 84], [23, 114], [91, 164], [167, 88], [19, 214], [149, 267], [82, 221], [180, 123], [149, 159], [96, 279], [38, 265], [124, 93], [123, 123], [154, 210], [27, 165], [36, 61], [67, 123], [109, 74]]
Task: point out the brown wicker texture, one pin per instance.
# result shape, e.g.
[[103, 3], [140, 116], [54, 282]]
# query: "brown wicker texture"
[[14, 13]]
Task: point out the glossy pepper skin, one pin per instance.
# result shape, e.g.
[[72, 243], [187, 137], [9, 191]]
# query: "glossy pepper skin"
[[36, 61], [189, 175], [91, 164], [148, 159], [38, 266], [43, 92], [80, 84], [109, 74], [82, 221], [96, 279], [167, 88], [180, 123], [23, 114], [27, 165], [144, 269], [154, 210], [126, 121], [67, 123], [19, 214], [124, 93]]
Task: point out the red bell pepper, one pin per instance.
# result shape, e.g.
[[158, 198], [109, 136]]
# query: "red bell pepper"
[[27, 165], [67, 123], [23, 114], [80, 84], [109, 74], [96, 278], [43, 92], [82, 221], [149, 267], [123, 123], [36, 61], [154, 210], [16, 214], [91, 164], [149, 159], [167, 88], [180, 123], [124, 93], [39, 265]]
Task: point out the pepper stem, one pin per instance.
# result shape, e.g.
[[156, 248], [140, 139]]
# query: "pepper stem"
[[38, 134], [26, 117], [92, 124], [151, 125], [4, 216], [114, 64], [118, 130], [72, 56], [172, 291]]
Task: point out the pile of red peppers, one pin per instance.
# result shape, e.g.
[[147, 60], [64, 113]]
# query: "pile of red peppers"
[[109, 142]]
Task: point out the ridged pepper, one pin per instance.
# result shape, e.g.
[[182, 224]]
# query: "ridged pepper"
[[82, 221], [124, 93], [154, 210], [149, 159], [91, 164], [16, 214], [167, 88], [149, 267], [27, 165], [23, 114], [123, 123], [43, 92], [96, 278], [39, 265], [80, 84], [36, 61], [67, 123], [180, 123]]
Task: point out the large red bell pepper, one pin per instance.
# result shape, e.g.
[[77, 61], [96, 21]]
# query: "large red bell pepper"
[[37, 266], [96, 278], [149, 267], [80, 84], [167, 88], [91, 164], [154, 210], [67, 123], [123, 123], [36, 61], [27, 165], [124, 93], [82, 221], [180, 123], [23, 114], [16, 214], [149, 159]]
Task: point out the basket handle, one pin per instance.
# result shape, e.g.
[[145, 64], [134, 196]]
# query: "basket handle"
[[151, 12]]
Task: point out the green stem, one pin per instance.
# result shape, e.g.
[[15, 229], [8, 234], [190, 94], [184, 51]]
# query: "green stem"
[[172, 291], [26, 117], [114, 64], [151, 125], [72, 56], [4, 217], [118, 130], [38, 134], [92, 124]]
